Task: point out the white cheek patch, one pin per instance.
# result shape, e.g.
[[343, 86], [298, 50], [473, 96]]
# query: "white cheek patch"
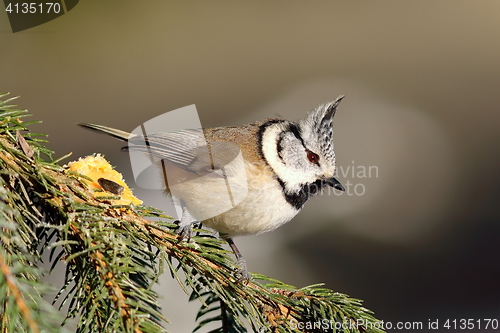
[[292, 149], [289, 175]]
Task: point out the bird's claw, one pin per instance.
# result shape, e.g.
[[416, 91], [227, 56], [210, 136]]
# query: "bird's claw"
[[241, 274], [185, 229], [185, 232]]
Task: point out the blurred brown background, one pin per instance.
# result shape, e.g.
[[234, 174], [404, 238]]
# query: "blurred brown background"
[[422, 81]]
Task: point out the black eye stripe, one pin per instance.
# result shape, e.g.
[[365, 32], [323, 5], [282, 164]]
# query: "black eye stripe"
[[279, 148], [295, 130]]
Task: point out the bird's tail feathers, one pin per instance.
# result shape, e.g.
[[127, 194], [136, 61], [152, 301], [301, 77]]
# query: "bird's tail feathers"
[[116, 133]]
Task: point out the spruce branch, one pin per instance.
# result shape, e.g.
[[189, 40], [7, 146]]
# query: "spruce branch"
[[114, 253], [22, 308]]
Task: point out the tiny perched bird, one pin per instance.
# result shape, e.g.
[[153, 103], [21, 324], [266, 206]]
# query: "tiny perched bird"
[[283, 164]]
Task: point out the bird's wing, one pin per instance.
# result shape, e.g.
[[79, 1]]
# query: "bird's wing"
[[180, 147], [187, 148]]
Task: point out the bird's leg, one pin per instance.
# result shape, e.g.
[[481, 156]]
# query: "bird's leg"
[[242, 273], [185, 230]]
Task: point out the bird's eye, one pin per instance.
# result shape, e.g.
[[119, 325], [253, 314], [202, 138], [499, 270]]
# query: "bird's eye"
[[312, 157]]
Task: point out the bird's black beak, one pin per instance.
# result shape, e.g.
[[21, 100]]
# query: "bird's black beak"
[[335, 184]]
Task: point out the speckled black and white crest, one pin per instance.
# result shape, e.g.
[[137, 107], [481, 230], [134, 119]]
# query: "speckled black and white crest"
[[319, 128]]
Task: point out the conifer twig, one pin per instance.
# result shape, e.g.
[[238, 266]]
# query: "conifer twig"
[[16, 294]]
